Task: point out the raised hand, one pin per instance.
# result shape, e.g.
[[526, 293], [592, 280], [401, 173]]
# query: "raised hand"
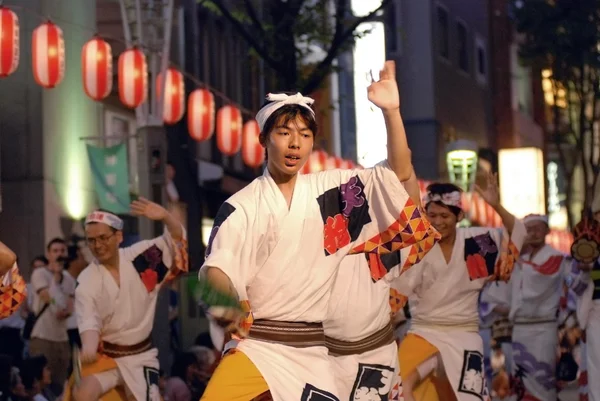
[[146, 208], [491, 192], [384, 93]]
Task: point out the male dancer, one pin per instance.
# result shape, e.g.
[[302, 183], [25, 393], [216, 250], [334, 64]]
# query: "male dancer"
[[115, 304], [536, 289], [276, 246], [443, 295]]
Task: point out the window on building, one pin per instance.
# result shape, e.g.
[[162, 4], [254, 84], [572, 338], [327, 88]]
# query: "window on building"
[[480, 59], [121, 128], [462, 46], [443, 32]]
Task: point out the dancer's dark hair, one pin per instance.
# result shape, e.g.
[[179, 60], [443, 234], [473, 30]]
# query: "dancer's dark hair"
[[442, 188]]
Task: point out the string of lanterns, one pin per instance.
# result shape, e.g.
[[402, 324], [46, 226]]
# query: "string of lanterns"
[[48, 63]]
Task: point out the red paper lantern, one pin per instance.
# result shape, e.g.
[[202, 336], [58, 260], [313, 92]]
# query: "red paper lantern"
[[174, 100], [97, 69], [48, 55], [316, 162], [253, 153], [133, 77], [229, 130], [9, 42], [201, 114]]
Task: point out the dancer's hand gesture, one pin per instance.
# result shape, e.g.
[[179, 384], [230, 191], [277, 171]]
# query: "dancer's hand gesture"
[[491, 192], [146, 208], [384, 93]]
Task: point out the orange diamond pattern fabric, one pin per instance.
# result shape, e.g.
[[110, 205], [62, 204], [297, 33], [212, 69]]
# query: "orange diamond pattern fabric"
[[397, 301], [411, 229], [13, 292]]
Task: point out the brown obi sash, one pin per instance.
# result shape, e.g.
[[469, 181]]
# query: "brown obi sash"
[[118, 351], [293, 334], [376, 340]]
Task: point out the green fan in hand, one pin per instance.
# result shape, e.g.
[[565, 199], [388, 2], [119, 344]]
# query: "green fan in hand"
[[223, 307]]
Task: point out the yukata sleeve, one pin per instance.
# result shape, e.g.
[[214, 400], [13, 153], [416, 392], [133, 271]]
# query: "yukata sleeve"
[[86, 305], [491, 252], [403, 287], [158, 260], [369, 211], [576, 279], [230, 246], [488, 302]]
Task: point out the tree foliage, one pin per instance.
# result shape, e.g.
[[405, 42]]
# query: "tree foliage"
[[563, 36], [298, 40]]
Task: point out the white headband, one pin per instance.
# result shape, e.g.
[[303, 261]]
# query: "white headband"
[[535, 217], [109, 219], [279, 100], [453, 198]]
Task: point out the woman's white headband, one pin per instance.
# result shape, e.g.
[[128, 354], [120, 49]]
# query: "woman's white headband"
[[279, 100]]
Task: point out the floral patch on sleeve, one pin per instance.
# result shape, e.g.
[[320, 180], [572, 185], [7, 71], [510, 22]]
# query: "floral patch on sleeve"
[[151, 268], [345, 210]]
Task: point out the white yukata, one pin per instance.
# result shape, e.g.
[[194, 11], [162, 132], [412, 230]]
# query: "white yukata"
[[588, 315], [358, 308], [124, 315], [443, 299], [283, 261], [536, 288]]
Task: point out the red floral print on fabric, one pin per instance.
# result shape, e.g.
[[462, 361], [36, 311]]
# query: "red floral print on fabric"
[[336, 234], [149, 278], [476, 266]]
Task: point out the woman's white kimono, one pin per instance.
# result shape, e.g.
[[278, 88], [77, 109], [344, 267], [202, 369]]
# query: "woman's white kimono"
[[125, 315], [588, 315], [536, 288], [283, 261], [359, 307], [443, 300]]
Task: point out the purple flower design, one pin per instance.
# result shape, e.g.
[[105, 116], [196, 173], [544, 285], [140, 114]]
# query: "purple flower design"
[[541, 372], [486, 244], [352, 196], [154, 257]]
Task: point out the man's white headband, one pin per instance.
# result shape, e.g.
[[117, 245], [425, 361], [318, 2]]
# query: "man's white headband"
[[453, 198], [279, 100], [535, 217], [109, 219]]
